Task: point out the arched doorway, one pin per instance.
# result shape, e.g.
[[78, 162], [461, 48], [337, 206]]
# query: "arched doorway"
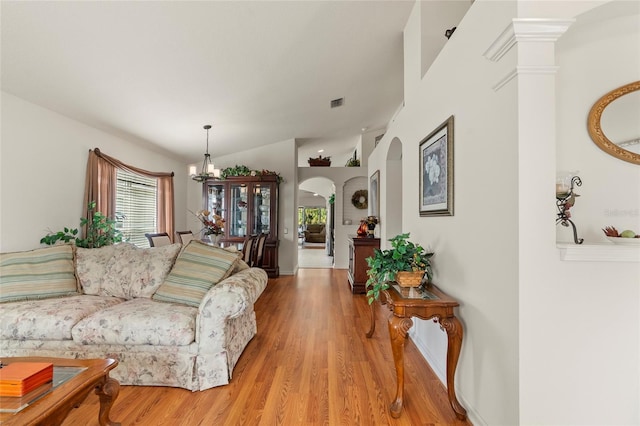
[[392, 193], [315, 223]]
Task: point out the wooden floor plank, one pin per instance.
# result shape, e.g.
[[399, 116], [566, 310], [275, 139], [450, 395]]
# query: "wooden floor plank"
[[309, 364]]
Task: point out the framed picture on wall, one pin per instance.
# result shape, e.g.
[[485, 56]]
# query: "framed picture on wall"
[[436, 171], [374, 193]]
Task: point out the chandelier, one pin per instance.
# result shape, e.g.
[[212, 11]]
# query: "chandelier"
[[208, 170]]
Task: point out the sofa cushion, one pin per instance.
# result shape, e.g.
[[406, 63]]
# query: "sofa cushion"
[[50, 319], [37, 274], [92, 263], [139, 272], [139, 322], [198, 267]]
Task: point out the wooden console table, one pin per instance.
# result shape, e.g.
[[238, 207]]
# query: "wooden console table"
[[430, 303]]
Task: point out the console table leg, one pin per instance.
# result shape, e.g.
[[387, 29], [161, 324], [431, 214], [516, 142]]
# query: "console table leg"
[[398, 328], [454, 336], [108, 391], [372, 317]]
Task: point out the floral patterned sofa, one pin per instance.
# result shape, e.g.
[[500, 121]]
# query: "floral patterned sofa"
[[171, 316]]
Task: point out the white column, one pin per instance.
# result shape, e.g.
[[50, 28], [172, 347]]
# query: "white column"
[[534, 41]]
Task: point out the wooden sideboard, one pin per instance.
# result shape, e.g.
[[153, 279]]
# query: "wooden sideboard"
[[359, 249]]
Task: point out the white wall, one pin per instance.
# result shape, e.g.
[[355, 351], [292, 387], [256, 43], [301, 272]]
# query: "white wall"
[[43, 166], [391, 198], [349, 211], [367, 144], [476, 249], [591, 341], [436, 17], [546, 343], [591, 64], [309, 200]]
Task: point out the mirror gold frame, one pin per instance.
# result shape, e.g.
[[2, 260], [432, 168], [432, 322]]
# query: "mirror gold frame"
[[595, 128]]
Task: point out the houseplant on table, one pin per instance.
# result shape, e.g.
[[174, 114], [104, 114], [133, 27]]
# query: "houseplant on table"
[[404, 257]]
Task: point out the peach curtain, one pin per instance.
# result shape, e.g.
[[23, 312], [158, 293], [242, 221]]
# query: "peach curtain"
[[101, 184]]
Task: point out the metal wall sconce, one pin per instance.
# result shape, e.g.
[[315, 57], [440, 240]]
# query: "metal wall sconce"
[[565, 199]]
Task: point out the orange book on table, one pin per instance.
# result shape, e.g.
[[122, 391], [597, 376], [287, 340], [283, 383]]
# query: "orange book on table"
[[19, 378]]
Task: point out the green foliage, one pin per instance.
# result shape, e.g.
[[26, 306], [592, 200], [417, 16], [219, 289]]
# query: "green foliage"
[[235, 171], [332, 199], [353, 161], [311, 215], [403, 255], [245, 171], [101, 231]]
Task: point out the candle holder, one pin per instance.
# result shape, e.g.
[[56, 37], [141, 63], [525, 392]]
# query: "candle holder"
[[565, 199]]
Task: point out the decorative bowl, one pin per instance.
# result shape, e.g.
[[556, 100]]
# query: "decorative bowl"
[[624, 241]]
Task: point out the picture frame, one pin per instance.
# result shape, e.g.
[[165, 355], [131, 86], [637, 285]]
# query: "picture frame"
[[374, 193], [436, 171]]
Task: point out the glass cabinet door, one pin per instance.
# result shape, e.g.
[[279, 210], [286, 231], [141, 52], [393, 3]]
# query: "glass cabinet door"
[[215, 200], [237, 221], [261, 209]]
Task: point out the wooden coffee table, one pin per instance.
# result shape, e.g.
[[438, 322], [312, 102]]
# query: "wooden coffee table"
[[52, 408]]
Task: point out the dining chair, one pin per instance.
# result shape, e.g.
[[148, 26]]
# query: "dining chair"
[[183, 237], [261, 242], [158, 240], [248, 249]]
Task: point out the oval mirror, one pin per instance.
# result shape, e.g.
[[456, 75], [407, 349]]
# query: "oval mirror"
[[618, 113]]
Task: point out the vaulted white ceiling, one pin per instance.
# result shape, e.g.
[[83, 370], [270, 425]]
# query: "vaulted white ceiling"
[[260, 71]]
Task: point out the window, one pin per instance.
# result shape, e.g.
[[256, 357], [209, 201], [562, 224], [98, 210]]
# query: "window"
[[309, 215], [136, 204]]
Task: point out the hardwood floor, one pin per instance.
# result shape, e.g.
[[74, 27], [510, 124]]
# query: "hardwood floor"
[[310, 364]]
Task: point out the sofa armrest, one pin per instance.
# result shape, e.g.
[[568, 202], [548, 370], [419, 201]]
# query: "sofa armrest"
[[249, 282], [225, 300]]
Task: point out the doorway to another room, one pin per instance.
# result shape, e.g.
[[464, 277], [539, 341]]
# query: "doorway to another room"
[[314, 237]]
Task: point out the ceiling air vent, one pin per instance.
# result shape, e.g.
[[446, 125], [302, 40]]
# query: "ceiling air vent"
[[337, 102]]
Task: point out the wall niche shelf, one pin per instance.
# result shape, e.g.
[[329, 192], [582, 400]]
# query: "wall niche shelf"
[[604, 252]]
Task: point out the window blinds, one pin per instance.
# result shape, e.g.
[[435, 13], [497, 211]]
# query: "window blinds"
[[136, 206]]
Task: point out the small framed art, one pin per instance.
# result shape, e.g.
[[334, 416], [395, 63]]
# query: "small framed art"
[[436, 171]]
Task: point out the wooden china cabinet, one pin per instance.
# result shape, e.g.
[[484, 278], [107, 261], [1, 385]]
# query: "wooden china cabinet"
[[249, 205]]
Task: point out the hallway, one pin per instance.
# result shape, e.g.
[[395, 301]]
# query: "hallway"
[[313, 257]]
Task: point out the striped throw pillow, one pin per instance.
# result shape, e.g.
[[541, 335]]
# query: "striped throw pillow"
[[37, 274], [198, 268]]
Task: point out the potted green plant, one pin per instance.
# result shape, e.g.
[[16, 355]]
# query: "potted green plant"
[[101, 231], [387, 265]]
